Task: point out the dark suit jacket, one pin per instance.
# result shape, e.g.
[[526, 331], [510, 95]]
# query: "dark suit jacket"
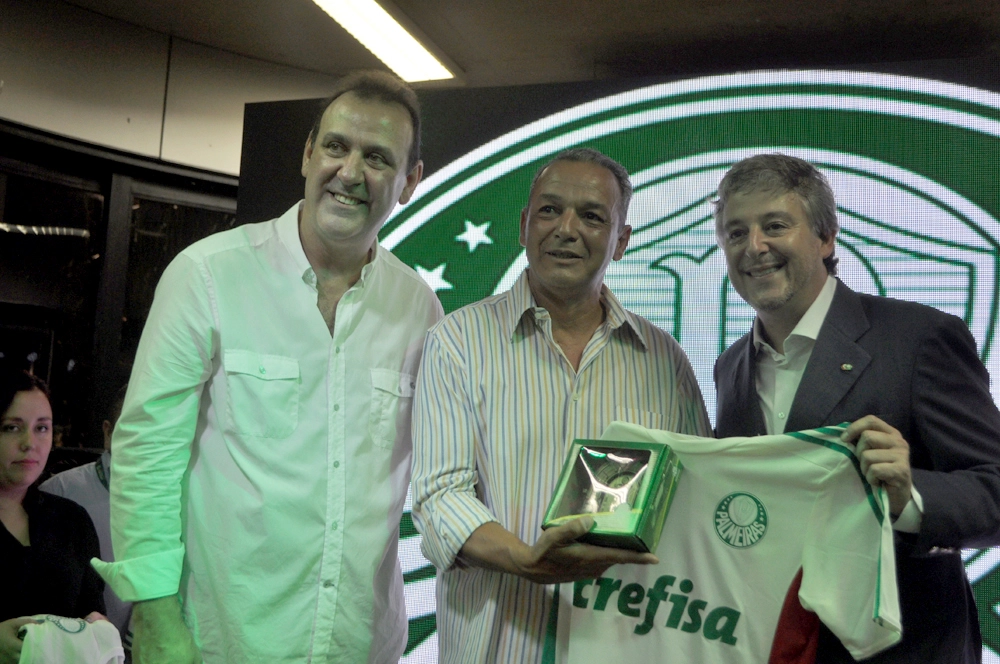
[[916, 368]]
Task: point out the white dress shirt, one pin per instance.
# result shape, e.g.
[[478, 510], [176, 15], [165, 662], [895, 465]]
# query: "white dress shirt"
[[497, 407], [779, 375], [261, 464]]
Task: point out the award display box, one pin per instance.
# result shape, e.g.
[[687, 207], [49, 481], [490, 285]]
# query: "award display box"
[[626, 487]]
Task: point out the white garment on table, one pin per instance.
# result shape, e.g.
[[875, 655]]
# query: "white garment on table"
[[60, 640]]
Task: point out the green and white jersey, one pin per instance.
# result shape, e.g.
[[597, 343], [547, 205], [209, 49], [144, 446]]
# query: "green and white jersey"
[[747, 515]]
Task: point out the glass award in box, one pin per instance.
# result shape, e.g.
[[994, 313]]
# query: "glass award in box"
[[625, 487]]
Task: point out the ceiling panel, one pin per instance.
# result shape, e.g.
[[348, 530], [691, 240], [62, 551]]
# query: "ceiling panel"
[[510, 42]]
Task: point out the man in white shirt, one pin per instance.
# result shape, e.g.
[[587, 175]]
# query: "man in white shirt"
[[506, 385], [907, 377], [262, 456], [88, 486]]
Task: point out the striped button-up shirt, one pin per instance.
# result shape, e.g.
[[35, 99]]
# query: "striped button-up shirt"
[[497, 407]]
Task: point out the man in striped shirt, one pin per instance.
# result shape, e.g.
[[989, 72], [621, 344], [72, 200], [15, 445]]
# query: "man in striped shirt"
[[504, 387]]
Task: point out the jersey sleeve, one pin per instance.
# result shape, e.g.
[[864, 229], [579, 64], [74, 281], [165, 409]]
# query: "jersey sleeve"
[[849, 563]]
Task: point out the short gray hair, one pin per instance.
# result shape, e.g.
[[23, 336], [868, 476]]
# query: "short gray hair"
[[592, 156], [781, 173]]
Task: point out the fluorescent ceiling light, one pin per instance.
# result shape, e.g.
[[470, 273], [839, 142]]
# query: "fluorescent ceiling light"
[[388, 40]]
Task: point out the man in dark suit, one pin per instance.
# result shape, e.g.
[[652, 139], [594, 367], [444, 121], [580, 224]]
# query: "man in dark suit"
[[906, 376]]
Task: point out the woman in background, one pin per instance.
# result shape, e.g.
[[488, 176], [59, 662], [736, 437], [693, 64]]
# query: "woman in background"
[[46, 542]]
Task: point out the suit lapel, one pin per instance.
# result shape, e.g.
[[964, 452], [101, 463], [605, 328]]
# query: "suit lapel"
[[836, 363]]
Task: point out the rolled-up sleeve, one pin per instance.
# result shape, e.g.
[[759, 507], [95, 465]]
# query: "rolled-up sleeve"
[[153, 438], [446, 509]]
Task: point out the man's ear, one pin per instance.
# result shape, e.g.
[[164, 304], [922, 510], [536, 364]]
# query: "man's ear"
[[412, 180], [623, 235], [524, 228], [307, 155], [828, 244]]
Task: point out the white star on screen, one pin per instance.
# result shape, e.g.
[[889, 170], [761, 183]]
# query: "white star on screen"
[[435, 277], [474, 235]]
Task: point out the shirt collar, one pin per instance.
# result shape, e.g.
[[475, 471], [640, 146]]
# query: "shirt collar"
[[522, 301], [288, 233], [811, 322], [287, 226]]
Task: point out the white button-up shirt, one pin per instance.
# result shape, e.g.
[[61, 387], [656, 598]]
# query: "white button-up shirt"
[[261, 465], [779, 375], [498, 406]]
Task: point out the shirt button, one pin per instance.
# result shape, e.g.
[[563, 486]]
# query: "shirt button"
[[336, 464], [336, 407], [781, 415], [262, 369], [576, 397], [337, 349], [328, 584], [333, 526]]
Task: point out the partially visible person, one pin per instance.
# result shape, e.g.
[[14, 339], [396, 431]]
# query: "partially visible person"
[[46, 542], [505, 386], [87, 486]]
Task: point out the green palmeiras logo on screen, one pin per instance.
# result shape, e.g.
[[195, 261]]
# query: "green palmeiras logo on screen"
[[912, 161], [740, 520]]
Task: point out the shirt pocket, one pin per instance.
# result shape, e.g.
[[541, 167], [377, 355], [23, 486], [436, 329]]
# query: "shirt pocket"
[[263, 393], [391, 403]]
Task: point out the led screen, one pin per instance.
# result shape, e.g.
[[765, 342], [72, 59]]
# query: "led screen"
[[913, 162]]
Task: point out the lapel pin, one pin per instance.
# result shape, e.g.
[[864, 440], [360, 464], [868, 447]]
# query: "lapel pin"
[[846, 367]]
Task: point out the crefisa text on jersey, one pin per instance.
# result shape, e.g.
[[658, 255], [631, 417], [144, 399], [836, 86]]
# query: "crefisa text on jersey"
[[685, 613]]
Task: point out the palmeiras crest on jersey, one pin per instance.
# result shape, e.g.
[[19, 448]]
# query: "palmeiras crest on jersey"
[[740, 520], [912, 161]]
